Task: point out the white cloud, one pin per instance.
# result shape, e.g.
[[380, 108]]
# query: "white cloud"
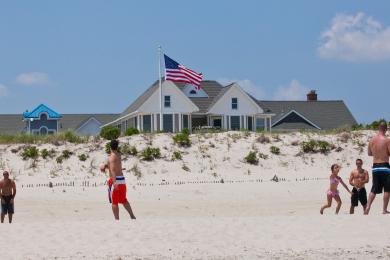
[[355, 38], [3, 91], [246, 85], [33, 78], [294, 91]]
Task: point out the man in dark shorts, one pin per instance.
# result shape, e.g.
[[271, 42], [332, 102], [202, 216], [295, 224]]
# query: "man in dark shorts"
[[357, 179], [7, 193], [379, 148]]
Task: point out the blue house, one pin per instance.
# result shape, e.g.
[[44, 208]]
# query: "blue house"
[[42, 121]]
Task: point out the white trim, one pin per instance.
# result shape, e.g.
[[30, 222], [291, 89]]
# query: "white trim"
[[294, 111], [119, 119], [39, 130], [86, 122], [243, 92]]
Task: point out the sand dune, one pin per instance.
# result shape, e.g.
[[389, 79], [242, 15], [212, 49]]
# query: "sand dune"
[[246, 217]]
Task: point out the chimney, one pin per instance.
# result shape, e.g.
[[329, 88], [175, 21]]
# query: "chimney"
[[312, 96]]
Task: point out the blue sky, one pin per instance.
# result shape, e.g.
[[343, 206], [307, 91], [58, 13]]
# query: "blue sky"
[[98, 56]]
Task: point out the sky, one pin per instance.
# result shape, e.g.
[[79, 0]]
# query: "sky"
[[96, 56]]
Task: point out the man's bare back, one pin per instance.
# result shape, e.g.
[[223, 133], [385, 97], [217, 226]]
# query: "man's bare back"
[[379, 149]]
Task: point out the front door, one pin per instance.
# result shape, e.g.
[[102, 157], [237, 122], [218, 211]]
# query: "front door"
[[217, 122], [168, 123], [235, 122], [147, 123], [250, 123]]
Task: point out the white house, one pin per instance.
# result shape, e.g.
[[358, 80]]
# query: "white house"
[[214, 105]]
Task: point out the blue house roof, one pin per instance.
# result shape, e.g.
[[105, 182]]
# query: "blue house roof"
[[41, 109]]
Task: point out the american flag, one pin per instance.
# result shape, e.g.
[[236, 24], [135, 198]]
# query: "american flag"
[[178, 73]]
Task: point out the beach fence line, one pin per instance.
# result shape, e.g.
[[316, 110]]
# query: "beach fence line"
[[92, 184]]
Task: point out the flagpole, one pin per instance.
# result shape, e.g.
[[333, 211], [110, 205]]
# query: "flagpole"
[[160, 87]]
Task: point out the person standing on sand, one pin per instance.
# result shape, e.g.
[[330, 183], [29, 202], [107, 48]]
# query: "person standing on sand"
[[7, 193], [358, 178], [333, 192], [117, 184], [379, 149]]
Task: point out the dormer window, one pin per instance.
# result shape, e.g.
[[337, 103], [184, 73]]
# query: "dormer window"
[[167, 101], [235, 103], [193, 92]]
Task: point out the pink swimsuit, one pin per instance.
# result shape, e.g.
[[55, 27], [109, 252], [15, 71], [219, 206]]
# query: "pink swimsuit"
[[331, 192]]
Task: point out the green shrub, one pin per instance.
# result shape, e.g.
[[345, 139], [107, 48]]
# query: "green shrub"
[[374, 125], [176, 156], [357, 127], [251, 158], [83, 157], [314, 146], [47, 153], [107, 148], [30, 152], [60, 159], [150, 153], [182, 139], [72, 137], [66, 154], [133, 151], [309, 147], [324, 146], [110, 132], [44, 153], [274, 150], [131, 131], [185, 131]]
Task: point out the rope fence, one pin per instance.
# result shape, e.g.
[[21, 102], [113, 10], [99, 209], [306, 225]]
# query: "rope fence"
[[90, 184]]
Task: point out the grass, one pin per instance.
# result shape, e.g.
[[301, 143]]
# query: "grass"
[[67, 136], [251, 158]]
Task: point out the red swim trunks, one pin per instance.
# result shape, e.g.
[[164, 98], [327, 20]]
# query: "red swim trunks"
[[117, 195]]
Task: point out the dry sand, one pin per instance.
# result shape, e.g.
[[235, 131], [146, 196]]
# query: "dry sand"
[[246, 217]]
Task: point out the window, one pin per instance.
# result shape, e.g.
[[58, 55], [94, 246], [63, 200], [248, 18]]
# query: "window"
[[167, 101], [193, 92], [234, 103]]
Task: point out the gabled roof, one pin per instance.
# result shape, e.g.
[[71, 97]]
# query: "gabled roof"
[[13, 123], [212, 89], [74, 121], [140, 100], [42, 109], [324, 114]]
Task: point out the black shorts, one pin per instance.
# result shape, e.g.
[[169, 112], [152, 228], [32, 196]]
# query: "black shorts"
[[380, 178], [358, 195], [6, 206]]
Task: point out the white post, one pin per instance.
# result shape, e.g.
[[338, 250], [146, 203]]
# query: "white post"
[[190, 122], [180, 122], [174, 122], [265, 124], [160, 86], [270, 124]]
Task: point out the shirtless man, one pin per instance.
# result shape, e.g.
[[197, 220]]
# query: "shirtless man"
[[358, 178], [116, 184], [7, 193], [379, 149]]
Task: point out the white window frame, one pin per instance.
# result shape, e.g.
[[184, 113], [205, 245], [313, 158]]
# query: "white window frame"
[[234, 103], [170, 101]]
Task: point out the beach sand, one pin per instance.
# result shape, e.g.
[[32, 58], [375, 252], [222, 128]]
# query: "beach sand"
[[246, 217]]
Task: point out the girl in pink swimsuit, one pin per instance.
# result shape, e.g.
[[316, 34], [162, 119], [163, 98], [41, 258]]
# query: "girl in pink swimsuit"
[[333, 192]]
